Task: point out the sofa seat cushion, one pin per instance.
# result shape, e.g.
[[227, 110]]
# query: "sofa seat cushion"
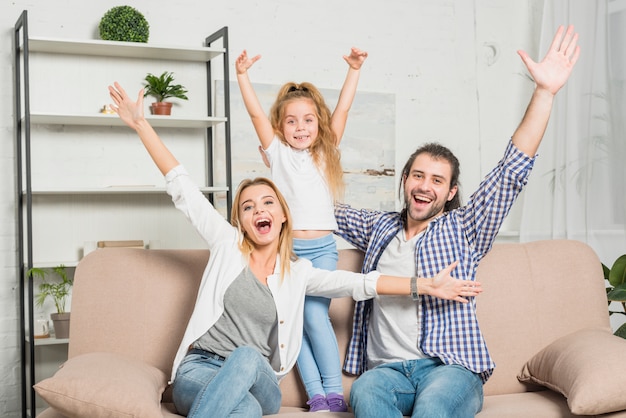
[[104, 385], [587, 367], [295, 412], [544, 404]]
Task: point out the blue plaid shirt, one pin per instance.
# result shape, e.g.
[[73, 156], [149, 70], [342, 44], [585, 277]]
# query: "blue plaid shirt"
[[449, 330]]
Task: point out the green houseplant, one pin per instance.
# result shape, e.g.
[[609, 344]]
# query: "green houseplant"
[[125, 24], [162, 87], [616, 291], [58, 289]]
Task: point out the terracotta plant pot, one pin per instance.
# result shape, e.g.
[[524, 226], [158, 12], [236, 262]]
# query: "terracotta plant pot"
[[61, 323], [161, 108]]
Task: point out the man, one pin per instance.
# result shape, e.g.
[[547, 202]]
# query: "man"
[[426, 357]]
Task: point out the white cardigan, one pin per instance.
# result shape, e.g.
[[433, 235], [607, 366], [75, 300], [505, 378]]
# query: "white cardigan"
[[226, 262]]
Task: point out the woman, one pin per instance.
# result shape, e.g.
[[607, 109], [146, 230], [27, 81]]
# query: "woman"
[[245, 332]]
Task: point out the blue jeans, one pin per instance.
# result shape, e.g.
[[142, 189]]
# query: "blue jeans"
[[318, 362], [243, 385], [424, 388]]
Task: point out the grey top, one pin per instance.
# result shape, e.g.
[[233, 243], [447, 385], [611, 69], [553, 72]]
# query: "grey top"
[[249, 319]]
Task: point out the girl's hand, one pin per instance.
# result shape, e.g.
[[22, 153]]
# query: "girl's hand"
[[356, 58], [445, 286], [130, 112], [243, 63]]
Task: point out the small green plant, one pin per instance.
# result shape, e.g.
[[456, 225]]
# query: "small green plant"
[[125, 24], [162, 87], [58, 289], [616, 292]]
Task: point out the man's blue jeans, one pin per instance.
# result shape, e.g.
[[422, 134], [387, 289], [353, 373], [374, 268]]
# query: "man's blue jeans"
[[418, 388], [244, 385]]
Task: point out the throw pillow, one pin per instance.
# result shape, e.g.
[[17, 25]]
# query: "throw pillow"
[[104, 385], [587, 367]]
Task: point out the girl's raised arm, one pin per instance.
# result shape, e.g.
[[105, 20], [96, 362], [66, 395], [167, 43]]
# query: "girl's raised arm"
[[132, 114], [348, 91], [260, 121]]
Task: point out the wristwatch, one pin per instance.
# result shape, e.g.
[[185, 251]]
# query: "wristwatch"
[[414, 295]]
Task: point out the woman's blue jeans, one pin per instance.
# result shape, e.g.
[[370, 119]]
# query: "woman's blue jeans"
[[318, 362], [424, 388], [243, 385]]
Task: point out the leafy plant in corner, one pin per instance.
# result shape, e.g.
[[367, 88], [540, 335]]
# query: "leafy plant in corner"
[[162, 87], [616, 292], [57, 290], [124, 24]]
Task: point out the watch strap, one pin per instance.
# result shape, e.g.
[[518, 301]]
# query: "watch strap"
[[414, 295]]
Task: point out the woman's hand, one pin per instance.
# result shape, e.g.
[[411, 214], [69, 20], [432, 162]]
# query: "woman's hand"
[[132, 115], [444, 286], [130, 112]]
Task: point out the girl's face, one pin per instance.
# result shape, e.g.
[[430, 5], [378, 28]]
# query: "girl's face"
[[300, 124], [261, 215]]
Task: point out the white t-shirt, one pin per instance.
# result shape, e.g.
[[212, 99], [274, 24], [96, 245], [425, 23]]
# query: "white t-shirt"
[[393, 333], [304, 187]]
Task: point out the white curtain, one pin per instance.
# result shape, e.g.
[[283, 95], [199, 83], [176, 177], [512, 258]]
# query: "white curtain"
[[578, 186]]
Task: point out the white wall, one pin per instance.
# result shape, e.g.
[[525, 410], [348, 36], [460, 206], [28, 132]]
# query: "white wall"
[[450, 63]]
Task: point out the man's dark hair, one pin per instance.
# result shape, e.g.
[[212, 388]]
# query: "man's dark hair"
[[437, 152]]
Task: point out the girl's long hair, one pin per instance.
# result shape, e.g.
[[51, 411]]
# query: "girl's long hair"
[[324, 150], [285, 239]]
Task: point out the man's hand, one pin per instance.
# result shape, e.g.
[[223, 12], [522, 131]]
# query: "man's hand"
[[553, 71]]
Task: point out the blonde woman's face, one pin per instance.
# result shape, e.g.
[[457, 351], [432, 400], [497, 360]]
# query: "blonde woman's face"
[[300, 124], [261, 215]]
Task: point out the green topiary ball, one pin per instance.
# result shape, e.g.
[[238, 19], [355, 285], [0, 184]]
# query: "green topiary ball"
[[124, 23]]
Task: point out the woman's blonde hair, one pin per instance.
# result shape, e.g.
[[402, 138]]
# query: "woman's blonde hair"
[[324, 150], [285, 239]]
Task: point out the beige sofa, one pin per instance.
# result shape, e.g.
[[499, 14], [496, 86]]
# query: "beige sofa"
[[130, 307]]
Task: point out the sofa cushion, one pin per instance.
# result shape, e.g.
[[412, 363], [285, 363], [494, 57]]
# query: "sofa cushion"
[[104, 385], [587, 367], [533, 273]]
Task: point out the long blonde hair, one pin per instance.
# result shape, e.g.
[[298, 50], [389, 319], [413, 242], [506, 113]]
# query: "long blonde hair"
[[285, 238], [324, 150]]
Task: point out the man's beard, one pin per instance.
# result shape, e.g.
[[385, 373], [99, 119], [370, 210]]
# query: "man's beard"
[[435, 210]]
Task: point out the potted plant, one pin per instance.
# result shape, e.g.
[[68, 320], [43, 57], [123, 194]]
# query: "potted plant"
[[616, 291], [162, 87], [58, 290], [124, 24]]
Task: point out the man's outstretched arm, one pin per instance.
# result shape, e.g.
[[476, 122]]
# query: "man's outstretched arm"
[[550, 75]]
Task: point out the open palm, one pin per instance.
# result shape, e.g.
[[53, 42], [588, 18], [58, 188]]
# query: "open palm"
[[555, 68], [130, 112]]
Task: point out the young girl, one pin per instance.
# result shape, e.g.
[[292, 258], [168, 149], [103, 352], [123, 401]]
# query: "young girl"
[[251, 296], [300, 141]]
